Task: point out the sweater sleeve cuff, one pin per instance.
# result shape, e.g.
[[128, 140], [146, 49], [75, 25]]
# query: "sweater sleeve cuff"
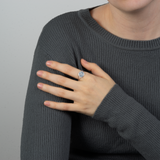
[[132, 121], [122, 111], [115, 99]]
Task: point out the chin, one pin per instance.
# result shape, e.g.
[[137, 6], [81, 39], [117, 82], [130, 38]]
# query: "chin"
[[129, 5]]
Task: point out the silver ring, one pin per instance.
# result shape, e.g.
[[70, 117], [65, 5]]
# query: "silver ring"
[[80, 74]]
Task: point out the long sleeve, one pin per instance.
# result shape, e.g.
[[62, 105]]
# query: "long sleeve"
[[132, 121], [46, 132]]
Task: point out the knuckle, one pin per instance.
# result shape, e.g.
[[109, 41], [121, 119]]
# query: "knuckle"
[[82, 87], [46, 75], [89, 89], [55, 64], [49, 89], [67, 68], [89, 76], [86, 73], [65, 106], [95, 64], [83, 99], [55, 105], [60, 93], [61, 80], [93, 80]]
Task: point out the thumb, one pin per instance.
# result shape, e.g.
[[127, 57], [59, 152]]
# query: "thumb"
[[94, 68]]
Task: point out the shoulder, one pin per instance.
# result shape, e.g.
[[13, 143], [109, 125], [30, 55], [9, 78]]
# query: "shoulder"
[[57, 37], [63, 23], [64, 18], [59, 29]]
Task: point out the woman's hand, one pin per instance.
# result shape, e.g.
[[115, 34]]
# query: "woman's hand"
[[88, 92]]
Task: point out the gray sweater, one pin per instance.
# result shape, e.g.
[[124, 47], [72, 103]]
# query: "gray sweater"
[[125, 126]]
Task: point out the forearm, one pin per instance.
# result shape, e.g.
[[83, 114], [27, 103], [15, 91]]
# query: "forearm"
[[132, 121]]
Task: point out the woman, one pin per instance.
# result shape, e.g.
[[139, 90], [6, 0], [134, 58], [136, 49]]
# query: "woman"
[[107, 108]]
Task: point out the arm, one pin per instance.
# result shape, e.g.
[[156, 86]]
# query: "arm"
[[132, 121], [45, 131]]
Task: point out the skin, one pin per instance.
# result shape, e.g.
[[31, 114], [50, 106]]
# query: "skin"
[[88, 92], [130, 19]]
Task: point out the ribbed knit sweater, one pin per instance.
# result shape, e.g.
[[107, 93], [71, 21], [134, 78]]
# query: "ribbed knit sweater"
[[125, 126]]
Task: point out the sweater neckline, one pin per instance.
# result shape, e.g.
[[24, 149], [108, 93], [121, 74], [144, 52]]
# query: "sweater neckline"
[[119, 42]]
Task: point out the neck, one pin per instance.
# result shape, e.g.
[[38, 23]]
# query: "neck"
[[143, 24]]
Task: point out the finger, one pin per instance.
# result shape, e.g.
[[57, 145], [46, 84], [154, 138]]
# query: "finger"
[[65, 68], [62, 106], [96, 70], [59, 92], [60, 80]]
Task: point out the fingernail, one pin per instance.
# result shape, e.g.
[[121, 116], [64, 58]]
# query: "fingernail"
[[39, 73], [40, 85], [48, 63], [85, 61], [46, 103]]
